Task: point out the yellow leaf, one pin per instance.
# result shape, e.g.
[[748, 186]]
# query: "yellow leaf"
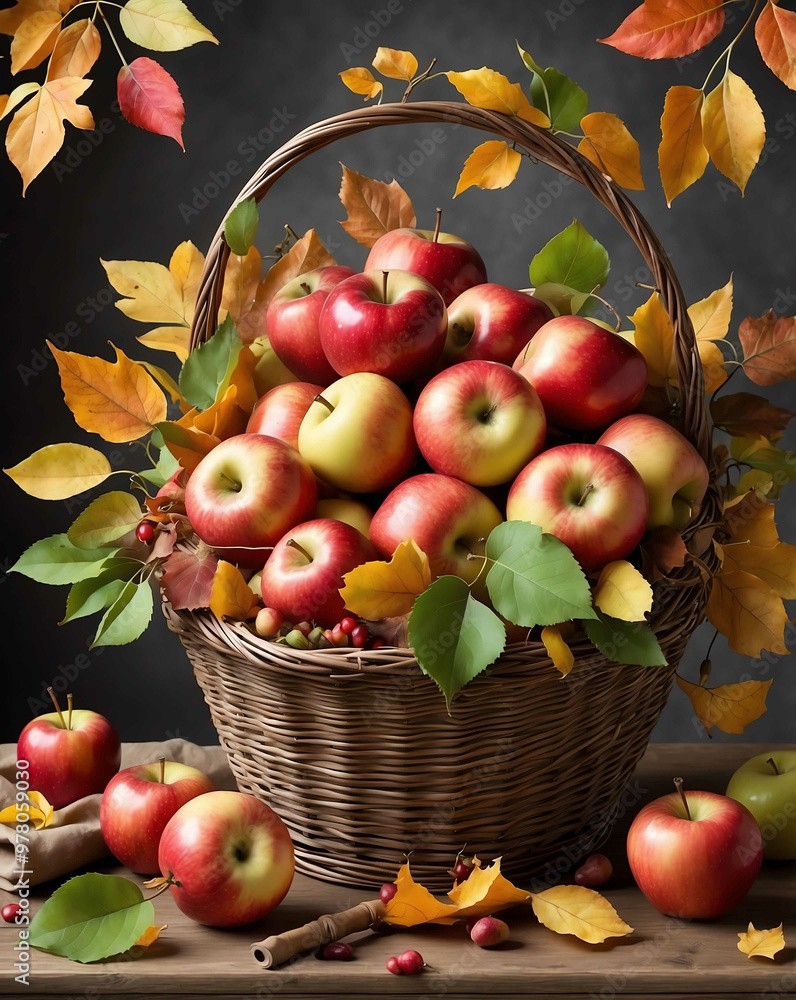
[[34, 39], [231, 597], [225, 418], [175, 339], [609, 146], [714, 367], [118, 400], [486, 891], [761, 944], [750, 520], [413, 904], [46, 811], [374, 207], [360, 80], [775, 32], [730, 707], [682, 156], [153, 293], [17, 95], [748, 611], [622, 592], [162, 25], [76, 50], [241, 281], [187, 264], [557, 649], [306, 254], [12, 18], [654, 337], [733, 128], [165, 380], [150, 935], [574, 909], [491, 165], [397, 64], [711, 316], [60, 471], [37, 811], [485, 88], [387, 589]]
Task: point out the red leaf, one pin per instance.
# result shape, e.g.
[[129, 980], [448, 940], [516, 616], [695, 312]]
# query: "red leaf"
[[150, 98], [666, 29], [188, 579]]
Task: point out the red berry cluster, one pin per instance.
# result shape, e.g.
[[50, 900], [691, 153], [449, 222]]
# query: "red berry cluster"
[[347, 632]]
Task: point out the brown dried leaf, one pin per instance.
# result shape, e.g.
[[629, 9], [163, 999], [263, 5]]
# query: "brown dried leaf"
[[729, 707], [374, 207], [769, 348]]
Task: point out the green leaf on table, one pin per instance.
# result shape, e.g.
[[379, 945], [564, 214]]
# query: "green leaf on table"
[[209, 366], [240, 228], [572, 258], [561, 99], [92, 917], [629, 643], [55, 560], [454, 636], [127, 617], [534, 579], [87, 597], [105, 520]]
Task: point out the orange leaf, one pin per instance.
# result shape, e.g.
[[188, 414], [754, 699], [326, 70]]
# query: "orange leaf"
[[118, 400], [748, 611], [360, 80], [654, 337], [667, 29], [769, 348], [241, 281], [12, 18], [225, 418], [34, 39], [413, 904], [484, 88], [76, 50], [682, 156], [491, 165], [374, 207], [396, 64], [231, 597], [775, 32], [733, 128], [663, 549], [609, 145], [388, 589], [761, 943], [730, 707], [150, 935], [188, 445], [305, 255], [485, 891]]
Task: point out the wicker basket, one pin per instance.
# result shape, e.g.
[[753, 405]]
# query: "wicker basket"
[[355, 750]]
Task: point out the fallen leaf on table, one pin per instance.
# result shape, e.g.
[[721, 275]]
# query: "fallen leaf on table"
[[761, 943], [150, 935], [729, 707], [382, 589], [574, 909], [413, 904], [38, 810], [485, 891]]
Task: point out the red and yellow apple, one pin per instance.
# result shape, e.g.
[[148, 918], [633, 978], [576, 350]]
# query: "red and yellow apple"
[[352, 512], [491, 322], [279, 412]]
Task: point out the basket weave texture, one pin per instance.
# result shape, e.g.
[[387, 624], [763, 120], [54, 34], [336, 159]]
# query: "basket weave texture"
[[355, 750]]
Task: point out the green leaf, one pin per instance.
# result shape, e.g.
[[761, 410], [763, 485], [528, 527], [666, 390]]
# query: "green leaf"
[[164, 469], [561, 99], [629, 643], [573, 258], [90, 596], [127, 617], [210, 365], [534, 578], [55, 560], [240, 228], [92, 917], [781, 465], [105, 520], [564, 300], [454, 636]]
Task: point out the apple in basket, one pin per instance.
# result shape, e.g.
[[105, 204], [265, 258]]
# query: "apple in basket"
[[491, 322], [280, 411]]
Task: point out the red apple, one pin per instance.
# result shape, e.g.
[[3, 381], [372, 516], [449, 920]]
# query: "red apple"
[[303, 575], [231, 856], [279, 412], [479, 421], [137, 805], [69, 755], [492, 323], [672, 469], [587, 495], [447, 518], [587, 377], [292, 322], [391, 323], [246, 493], [448, 262], [697, 867]]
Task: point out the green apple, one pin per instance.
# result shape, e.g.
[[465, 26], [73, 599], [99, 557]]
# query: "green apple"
[[766, 785]]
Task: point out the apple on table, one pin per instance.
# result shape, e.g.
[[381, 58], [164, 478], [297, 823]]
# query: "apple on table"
[[766, 785]]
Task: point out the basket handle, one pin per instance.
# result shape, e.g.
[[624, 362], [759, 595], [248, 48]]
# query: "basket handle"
[[541, 144]]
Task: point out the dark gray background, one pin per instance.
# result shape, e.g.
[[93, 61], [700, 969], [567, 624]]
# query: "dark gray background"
[[132, 197]]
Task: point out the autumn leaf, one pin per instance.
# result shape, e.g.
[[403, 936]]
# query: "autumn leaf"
[[230, 595], [557, 649], [711, 320], [150, 935], [622, 592], [162, 25], [413, 904], [374, 207], [733, 128], [34, 40], [12, 18], [396, 64], [654, 337], [769, 348], [761, 943], [241, 280], [485, 891], [76, 50], [730, 707], [38, 810], [150, 98], [611, 148], [752, 545], [484, 88], [17, 95], [668, 29], [748, 611], [188, 445], [491, 165], [360, 80], [682, 156], [60, 471], [387, 589], [662, 550], [187, 579], [574, 909], [775, 32], [742, 414]]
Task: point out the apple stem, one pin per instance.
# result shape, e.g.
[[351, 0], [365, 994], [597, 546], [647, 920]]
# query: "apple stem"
[[384, 276], [69, 714], [678, 784], [300, 548], [51, 693], [438, 224], [235, 486], [320, 399], [162, 762], [305, 287], [165, 884], [771, 762], [587, 490]]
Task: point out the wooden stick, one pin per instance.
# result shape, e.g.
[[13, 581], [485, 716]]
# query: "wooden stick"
[[281, 948]]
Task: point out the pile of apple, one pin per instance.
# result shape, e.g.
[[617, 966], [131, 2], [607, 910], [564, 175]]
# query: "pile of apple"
[[430, 404]]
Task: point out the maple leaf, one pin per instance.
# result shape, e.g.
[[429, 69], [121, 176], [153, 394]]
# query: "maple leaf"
[[491, 165], [374, 207], [761, 943]]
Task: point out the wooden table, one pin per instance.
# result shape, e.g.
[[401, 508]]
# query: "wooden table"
[[663, 957]]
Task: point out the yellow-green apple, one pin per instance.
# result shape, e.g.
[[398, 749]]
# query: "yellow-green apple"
[[479, 421], [766, 785], [448, 262], [292, 322], [491, 322], [137, 805], [269, 371], [69, 755], [672, 469], [357, 435], [246, 493], [231, 857], [303, 575], [698, 860], [587, 495], [352, 512], [392, 323], [449, 519], [587, 377], [279, 412]]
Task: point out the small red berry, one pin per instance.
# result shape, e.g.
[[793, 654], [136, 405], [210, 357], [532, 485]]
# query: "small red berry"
[[9, 912], [461, 870], [393, 966], [145, 532], [411, 963], [360, 636], [347, 625], [339, 638], [378, 644], [338, 951], [387, 891]]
